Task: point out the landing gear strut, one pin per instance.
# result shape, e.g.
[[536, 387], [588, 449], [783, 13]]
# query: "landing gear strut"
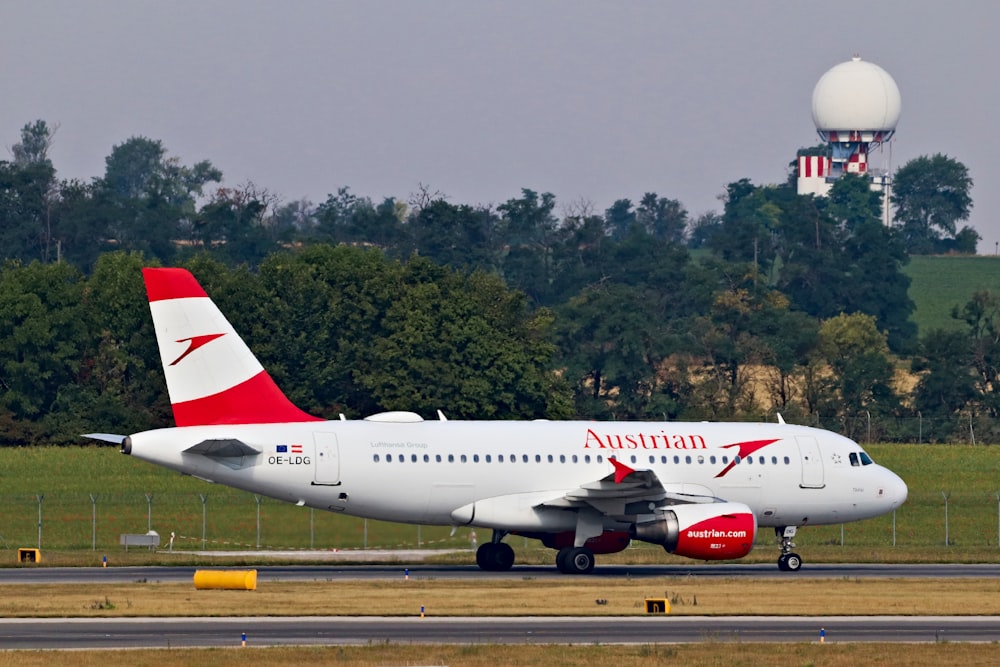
[[788, 561], [495, 556], [575, 560]]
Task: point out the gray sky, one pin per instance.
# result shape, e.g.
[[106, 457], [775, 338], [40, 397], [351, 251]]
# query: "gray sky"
[[588, 100]]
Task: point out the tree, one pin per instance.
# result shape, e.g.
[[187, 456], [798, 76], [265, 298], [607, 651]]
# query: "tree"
[[28, 193], [858, 355], [42, 330], [931, 195], [151, 195], [528, 230], [240, 225], [462, 237]]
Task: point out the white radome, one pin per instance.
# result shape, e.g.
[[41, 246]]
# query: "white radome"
[[856, 95]]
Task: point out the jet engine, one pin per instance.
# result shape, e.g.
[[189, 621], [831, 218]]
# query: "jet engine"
[[709, 531]]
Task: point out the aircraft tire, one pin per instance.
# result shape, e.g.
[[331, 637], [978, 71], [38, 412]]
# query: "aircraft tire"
[[578, 560], [561, 559], [793, 562]]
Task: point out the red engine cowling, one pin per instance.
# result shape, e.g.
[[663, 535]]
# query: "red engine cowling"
[[608, 542], [709, 531]]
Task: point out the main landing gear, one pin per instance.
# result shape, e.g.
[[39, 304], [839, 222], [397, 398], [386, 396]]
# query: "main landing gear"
[[575, 560], [495, 556], [788, 561]]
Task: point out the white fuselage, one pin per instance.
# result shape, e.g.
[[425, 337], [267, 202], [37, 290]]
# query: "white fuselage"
[[414, 471]]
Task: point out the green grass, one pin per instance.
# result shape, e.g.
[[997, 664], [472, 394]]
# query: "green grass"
[[66, 477], [939, 283]]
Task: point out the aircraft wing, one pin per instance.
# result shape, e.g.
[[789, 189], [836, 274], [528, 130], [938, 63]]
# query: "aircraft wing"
[[626, 492]]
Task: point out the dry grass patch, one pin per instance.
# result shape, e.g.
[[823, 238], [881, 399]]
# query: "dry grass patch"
[[528, 597], [728, 654]]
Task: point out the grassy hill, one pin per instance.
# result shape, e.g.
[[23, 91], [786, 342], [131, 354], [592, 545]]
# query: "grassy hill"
[[939, 283]]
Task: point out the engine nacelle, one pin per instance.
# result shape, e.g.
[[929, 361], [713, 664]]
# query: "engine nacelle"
[[704, 531]]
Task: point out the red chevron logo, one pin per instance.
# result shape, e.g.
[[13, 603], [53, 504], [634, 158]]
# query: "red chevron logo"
[[194, 343], [745, 450]]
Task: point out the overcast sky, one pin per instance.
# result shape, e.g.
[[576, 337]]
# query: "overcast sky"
[[588, 100]]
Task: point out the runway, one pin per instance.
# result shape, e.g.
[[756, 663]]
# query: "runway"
[[78, 633], [272, 631], [162, 574]]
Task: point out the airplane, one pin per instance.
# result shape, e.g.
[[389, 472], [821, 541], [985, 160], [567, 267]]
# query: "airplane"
[[698, 489]]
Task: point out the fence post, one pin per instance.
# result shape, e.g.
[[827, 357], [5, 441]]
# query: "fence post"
[[312, 527], [40, 497], [149, 511], [204, 500], [257, 498], [93, 521], [947, 542], [894, 528]]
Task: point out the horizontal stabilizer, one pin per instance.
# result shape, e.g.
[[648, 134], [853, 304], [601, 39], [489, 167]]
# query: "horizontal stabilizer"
[[113, 438]]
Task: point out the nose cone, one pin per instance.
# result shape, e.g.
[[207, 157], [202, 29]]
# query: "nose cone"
[[894, 489]]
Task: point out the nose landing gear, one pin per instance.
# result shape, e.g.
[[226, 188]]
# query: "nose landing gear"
[[788, 561]]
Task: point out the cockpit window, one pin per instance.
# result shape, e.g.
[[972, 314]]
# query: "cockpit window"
[[860, 459]]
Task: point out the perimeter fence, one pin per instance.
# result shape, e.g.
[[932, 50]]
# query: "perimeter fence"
[[234, 520]]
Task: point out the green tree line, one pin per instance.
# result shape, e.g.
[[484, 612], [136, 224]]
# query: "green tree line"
[[780, 302]]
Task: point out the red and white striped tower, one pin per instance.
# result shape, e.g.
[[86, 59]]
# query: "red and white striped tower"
[[855, 107]]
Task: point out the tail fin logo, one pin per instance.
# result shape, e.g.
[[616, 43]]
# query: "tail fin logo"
[[194, 342]]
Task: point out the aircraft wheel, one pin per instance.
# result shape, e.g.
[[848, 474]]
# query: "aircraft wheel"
[[494, 557], [793, 562], [579, 560], [503, 557], [561, 559], [783, 562], [484, 555]]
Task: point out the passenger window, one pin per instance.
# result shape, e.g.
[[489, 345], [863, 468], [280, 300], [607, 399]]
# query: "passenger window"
[[451, 458], [711, 459], [427, 458], [575, 460], [463, 459], [600, 459], [701, 459], [538, 458], [749, 460], [586, 458], [633, 459], [774, 460], [437, 457], [562, 458], [652, 459], [475, 458], [413, 458], [550, 458], [787, 460], [687, 459], [376, 458], [677, 459], [524, 458]]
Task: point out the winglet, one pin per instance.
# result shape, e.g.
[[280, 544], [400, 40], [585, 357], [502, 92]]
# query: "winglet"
[[621, 470]]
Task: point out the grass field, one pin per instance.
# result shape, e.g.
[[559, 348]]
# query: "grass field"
[[66, 478], [941, 283]]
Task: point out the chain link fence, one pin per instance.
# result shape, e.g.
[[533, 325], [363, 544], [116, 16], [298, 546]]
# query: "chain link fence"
[[235, 520]]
